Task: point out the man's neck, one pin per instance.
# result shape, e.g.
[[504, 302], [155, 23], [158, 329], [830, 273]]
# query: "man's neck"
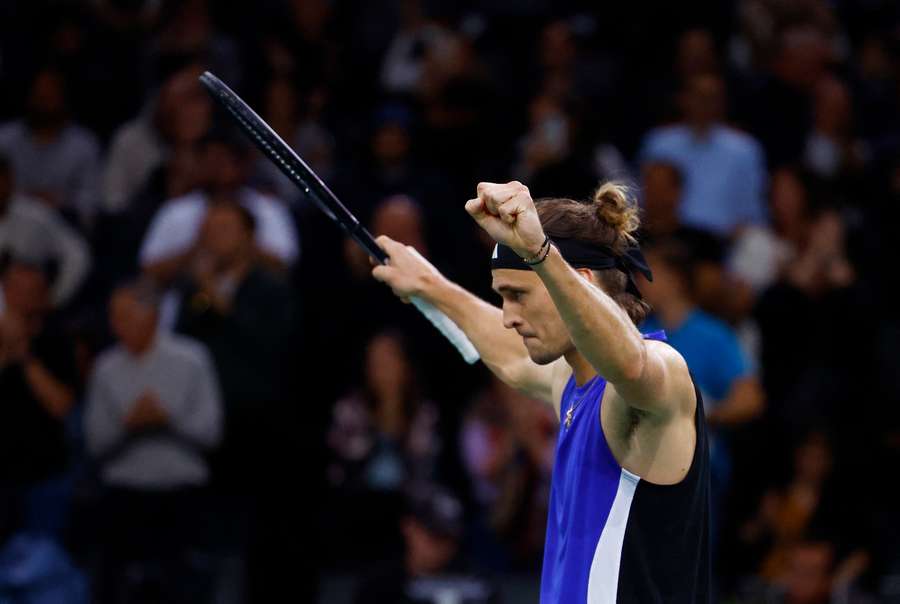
[[701, 130], [141, 351], [673, 313], [581, 368]]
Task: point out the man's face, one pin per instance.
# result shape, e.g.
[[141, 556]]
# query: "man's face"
[[224, 167], [528, 308], [667, 284], [27, 294], [704, 100], [132, 322], [46, 102], [224, 235], [662, 191]]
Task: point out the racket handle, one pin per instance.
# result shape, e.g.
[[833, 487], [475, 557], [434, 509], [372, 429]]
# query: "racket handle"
[[447, 327]]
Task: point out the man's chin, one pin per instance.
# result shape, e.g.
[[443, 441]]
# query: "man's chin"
[[542, 357]]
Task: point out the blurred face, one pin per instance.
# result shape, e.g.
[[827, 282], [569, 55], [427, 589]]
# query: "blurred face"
[[813, 459], [832, 108], [185, 111], [224, 167], [391, 143], [400, 219], [557, 45], [387, 368], [431, 552], [133, 323], [696, 53], [47, 102], [809, 574], [528, 308], [661, 191], [27, 293], [704, 101], [225, 236], [667, 284], [788, 201]]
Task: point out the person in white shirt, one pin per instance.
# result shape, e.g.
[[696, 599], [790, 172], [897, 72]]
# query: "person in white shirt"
[[154, 407], [177, 116], [54, 159], [168, 245], [32, 232], [153, 415]]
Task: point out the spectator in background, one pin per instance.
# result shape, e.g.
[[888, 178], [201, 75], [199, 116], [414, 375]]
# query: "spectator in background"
[[831, 149], [179, 115], [153, 413], [724, 169], [760, 254], [804, 291], [398, 217], [54, 159], [153, 405], [709, 346], [242, 312], [548, 159], [507, 447], [385, 435], [299, 122], [662, 185], [731, 392], [431, 570], [779, 111], [417, 37], [32, 232], [118, 237], [811, 512], [186, 29], [170, 242], [380, 438], [38, 381]]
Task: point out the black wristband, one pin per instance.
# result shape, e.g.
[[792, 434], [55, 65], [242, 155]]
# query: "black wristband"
[[542, 253]]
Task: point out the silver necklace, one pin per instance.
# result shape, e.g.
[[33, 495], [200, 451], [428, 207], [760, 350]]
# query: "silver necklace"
[[570, 413]]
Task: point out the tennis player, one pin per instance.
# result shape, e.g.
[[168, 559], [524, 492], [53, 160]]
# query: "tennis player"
[[629, 504]]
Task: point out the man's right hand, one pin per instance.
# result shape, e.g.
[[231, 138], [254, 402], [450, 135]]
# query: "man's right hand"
[[407, 272], [148, 412]]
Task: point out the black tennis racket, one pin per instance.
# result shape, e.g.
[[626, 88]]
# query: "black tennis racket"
[[273, 147]]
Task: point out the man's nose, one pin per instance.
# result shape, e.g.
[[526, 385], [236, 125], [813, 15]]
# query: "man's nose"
[[511, 318]]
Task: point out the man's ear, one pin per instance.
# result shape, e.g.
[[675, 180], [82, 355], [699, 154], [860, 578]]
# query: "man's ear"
[[587, 274]]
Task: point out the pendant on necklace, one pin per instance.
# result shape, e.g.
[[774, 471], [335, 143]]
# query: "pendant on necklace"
[[569, 414]]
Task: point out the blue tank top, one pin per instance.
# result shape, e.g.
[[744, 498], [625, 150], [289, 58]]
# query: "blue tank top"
[[612, 537]]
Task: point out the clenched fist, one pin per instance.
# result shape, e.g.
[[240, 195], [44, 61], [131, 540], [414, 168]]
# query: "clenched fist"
[[507, 213]]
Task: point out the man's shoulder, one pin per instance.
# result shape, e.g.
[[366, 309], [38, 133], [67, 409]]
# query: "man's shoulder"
[[177, 208], [184, 350], [709, 329], [81, 140], [11, 131], [738, 141], [31, 210], [664, 138], [110, 361]]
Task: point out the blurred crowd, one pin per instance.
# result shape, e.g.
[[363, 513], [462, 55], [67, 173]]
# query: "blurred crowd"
[[204, 397]]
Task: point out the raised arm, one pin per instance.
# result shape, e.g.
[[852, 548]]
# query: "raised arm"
[[409, 274], [646, 374]]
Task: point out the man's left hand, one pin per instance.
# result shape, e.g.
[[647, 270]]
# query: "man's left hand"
[[508, 214]]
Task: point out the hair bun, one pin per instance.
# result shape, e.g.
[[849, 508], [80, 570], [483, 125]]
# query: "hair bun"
[[615, 207]]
